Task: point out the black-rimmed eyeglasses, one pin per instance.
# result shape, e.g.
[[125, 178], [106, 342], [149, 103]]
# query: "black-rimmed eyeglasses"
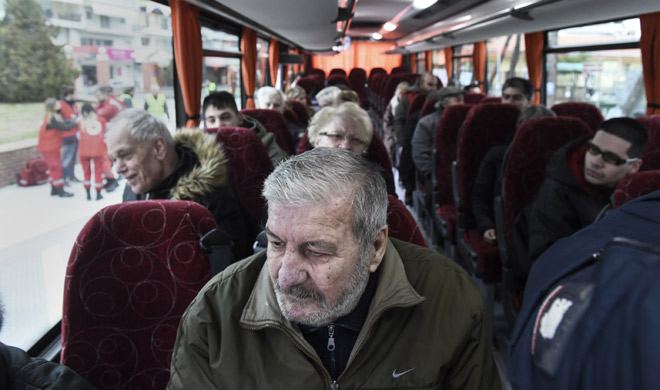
[[608, 157]]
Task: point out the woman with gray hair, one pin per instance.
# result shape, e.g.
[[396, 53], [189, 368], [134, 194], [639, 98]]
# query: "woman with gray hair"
[[327, 96], [345, 126]]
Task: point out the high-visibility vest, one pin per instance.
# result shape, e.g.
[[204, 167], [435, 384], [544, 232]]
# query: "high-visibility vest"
[[210, 88], [125, 96], [156, 105]]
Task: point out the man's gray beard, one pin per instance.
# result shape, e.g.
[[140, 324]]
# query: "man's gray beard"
[[347, 301]]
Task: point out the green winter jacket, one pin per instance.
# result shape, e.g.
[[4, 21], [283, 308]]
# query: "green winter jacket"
[[425, 330]]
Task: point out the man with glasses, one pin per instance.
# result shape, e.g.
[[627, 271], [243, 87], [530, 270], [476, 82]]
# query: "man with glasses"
[[580, 178]]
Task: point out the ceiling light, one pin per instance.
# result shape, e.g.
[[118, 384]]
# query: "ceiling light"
[[389, 26], [422, 4], [376, 36]]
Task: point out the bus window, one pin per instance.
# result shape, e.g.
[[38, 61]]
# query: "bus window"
[[506, 59], [607, 73], [222, 63], [263, 75], [119, 44]]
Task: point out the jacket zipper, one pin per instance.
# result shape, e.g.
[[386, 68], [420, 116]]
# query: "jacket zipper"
[[331, 348], [333, 383]]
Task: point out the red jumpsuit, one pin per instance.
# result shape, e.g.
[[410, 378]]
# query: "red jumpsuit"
[[107, 110], [91, 147], [49, 144]]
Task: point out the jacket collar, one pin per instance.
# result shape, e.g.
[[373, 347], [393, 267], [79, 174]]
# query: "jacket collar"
[[201, 170], [393, 290]]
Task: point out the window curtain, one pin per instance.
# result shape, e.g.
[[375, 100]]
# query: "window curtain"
[[449, 61], [365, 55], [534, 43], [413, 63], [187, 36], [249, 65], [649, 44], [273, 60], [479, 55], [428, 61]]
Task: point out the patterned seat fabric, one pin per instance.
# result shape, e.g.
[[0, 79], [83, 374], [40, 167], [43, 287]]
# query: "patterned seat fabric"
[[589, 113], [319, 73], [636, 185], [651, 155], [250, 165], [401, 223], [390, 86], [375, 71], [524, 170], [134, 269], [358, 78], [338, 79], [292, 116], [415, 103], [491, 99], [445, 140], [309, 84], [338, 71], [428, 107], [486, 125], [444, 143], [398, 69], [274, 122], [473, 97], [301, 112]]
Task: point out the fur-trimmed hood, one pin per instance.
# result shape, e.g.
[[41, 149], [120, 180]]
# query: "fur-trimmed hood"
[[211, 172]]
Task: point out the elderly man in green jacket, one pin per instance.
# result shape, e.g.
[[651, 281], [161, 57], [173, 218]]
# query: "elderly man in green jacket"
[[333, 303]]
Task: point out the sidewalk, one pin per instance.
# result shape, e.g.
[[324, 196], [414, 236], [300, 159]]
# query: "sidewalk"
[[36, 236]]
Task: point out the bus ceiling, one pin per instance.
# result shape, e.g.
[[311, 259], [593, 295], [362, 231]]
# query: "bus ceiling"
[[413, 26]]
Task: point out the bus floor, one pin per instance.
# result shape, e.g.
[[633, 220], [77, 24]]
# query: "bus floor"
[[36, 237], [501, 330]]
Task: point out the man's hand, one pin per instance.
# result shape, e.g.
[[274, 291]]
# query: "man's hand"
[[490, 237]]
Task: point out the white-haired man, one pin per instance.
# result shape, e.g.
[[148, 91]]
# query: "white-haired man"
[[333, 303], [191, 166]]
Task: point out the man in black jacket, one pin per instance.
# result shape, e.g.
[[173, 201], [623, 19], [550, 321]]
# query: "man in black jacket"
[[191, 166], [220, 109], [580, 177], [18, 370]]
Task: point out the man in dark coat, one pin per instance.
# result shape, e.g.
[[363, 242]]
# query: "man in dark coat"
[[403, 129], [580, 178], [424, 134], [191, 166], [220, 109], [18, 370], [589, 318]]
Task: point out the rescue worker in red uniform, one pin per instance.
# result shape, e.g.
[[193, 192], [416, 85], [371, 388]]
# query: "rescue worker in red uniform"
[[107, 108], [50, 143], [69, 139], [91, 147]]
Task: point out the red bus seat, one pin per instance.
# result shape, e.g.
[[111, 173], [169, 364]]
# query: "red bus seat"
[[274, 122], [589, 113], [134, 269]]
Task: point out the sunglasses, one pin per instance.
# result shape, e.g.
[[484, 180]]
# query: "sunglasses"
[[608, 157]]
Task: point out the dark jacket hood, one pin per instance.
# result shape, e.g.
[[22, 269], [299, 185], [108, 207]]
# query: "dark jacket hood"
[[564, 165]]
